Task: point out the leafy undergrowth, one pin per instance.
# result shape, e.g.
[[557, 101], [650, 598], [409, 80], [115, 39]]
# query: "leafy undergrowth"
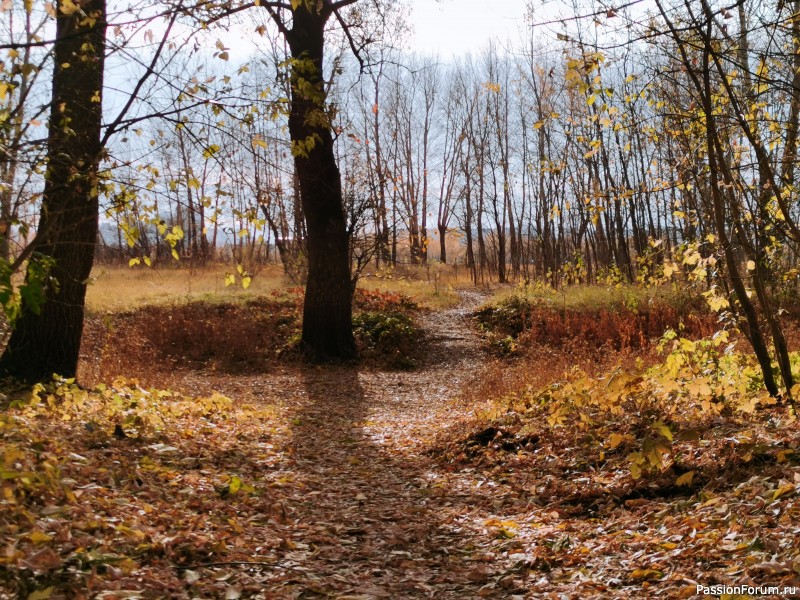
[[237, 338], [104, 489], [619, 323], [683, 473]]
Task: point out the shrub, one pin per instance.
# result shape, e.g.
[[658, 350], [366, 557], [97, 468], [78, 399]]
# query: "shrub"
[[627, 325]]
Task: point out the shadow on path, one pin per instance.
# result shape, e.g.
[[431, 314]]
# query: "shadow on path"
[[376, 521]]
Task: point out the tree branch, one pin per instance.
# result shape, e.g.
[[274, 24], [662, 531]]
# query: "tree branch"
[[278, 21], [112, 127], [350, 40]]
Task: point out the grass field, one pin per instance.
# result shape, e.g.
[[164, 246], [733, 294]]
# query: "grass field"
[[119, 288]]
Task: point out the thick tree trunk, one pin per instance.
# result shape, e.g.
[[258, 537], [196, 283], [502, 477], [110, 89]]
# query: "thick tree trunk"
[[327, 314], [49, 342]]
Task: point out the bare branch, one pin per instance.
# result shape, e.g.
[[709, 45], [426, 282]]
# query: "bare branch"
[[151, 68], [278, 21], [350, 40]]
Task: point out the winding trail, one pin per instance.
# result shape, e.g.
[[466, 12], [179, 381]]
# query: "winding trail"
[[377, 519]]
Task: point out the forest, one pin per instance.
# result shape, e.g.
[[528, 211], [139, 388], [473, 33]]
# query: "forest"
[[293, 310]]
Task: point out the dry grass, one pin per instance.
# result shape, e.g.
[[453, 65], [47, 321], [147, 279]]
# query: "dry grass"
[[115, 289], [433, 286], [547, 335], [235, 338], [594, 297]]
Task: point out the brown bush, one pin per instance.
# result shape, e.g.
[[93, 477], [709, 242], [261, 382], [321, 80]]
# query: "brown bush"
[[620, 329]]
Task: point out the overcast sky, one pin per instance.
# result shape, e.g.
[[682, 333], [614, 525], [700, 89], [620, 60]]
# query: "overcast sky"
[[455, 27]]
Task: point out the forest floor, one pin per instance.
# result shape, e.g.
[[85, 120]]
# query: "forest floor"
[[332, 482]]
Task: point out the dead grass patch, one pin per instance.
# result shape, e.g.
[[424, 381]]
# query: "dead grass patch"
[[235, 338]]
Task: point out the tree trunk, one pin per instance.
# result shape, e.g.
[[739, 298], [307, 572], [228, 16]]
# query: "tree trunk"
[[442, 244], [49, 342], [327, 313]]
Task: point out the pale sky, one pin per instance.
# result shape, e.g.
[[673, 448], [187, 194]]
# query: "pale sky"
[[455, 27]]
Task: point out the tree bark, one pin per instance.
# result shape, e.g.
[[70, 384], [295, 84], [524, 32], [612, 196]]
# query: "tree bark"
[[48, 342], [327, 313]]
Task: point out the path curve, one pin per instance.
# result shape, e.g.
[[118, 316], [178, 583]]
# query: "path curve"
[[379, 520]]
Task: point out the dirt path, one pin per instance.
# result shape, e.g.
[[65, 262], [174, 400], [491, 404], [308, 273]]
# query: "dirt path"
[[371, 516], [358, 508]]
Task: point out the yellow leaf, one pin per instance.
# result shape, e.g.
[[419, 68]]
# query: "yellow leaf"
[[692, 259], [668, 545], [132, 533], [246, 282], [41, 594], [646, 574], [615, 440], [591, 99], [68, 7], [39, 537], [133, 262], [786, 488], [237, 527], [685, 479]]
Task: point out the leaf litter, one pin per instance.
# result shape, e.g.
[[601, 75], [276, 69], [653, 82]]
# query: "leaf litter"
[[336, 482]]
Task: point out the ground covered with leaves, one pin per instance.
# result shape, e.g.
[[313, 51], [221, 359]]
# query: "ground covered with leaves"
[[375, 482]]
